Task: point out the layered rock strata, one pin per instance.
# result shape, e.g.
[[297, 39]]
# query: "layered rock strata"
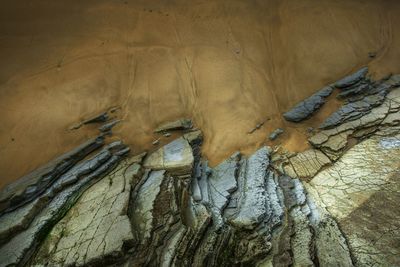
[[334, 204], [23, 229], [179, 213], [29, 187], [359, 92]]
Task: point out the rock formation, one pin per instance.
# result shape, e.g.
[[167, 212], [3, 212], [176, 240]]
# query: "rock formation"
[[334, 204], [275, 134], [181, 124], [307, 107]]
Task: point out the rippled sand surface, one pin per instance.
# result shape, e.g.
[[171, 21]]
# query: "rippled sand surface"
[[227, 64]]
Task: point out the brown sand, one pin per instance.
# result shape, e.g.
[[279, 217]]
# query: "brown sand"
[[227, 64]]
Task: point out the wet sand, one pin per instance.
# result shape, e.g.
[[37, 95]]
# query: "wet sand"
[[227, 64]]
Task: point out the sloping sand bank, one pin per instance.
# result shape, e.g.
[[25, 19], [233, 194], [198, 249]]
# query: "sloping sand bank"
[[227, 64]]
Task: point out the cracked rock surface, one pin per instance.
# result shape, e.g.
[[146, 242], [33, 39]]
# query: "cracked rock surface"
[[361, 191], [95, 228]]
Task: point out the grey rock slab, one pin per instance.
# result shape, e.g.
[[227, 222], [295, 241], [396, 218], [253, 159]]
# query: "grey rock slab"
[[99, 118], [352, 79], [275, 134], [175, 157], [338, 142], [314, 236], [388, 131], [274, 207], [297, 232], [102, 117], [257, 127], [144, 203], [394, 96], [108, 126], [222, 181], [197, 216], [252, 207], [307, 107], [234, 202]]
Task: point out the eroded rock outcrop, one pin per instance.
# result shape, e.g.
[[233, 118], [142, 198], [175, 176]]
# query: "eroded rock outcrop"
[[143, 213], [334, 204]]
